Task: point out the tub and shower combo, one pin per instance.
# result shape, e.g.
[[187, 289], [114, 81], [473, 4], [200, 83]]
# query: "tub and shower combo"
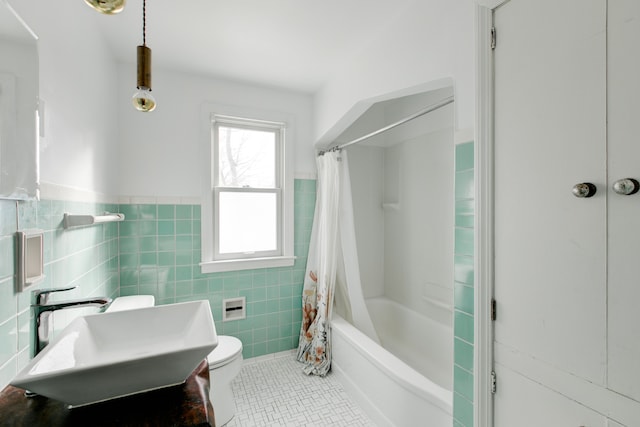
[[400, 368], [404, 380]]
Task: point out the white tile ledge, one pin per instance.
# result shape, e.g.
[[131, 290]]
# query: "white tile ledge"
[[161, 200]]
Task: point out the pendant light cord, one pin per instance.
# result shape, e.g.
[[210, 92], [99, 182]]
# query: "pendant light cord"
[[144, 22]]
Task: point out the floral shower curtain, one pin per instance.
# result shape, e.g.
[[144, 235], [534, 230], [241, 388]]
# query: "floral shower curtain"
[[331, 264], [314, 348]]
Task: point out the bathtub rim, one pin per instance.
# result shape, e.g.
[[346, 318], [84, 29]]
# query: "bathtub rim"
[[407, 377]]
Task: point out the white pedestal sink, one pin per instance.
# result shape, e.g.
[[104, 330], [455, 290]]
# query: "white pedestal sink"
[[104, 356]]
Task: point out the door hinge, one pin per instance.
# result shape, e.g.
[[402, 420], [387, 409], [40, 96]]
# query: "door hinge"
[[494, 382], [493, 37], [494, 310]]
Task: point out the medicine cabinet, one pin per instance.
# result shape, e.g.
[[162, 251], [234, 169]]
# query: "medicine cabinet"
[[19, 116]]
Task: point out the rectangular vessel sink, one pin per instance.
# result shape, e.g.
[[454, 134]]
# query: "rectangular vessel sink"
[[104, 356]]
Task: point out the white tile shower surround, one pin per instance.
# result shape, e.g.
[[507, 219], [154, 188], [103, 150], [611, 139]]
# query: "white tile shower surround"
[[273, 391]]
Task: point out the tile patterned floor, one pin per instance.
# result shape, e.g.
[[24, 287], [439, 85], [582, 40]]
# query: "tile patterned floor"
[[275, 392]]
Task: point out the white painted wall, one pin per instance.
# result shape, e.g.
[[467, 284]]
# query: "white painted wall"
[[95, 140], [77, 83], [87, 96], [160, 152], [431, 40]]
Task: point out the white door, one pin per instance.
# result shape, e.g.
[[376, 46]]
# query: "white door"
[[567, 283], [550, 246], [623, 81]]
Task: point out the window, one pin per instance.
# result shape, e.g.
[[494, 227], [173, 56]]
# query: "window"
[[249, 210]]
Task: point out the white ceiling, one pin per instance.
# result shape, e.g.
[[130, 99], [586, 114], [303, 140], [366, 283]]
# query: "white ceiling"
[[294, 44]]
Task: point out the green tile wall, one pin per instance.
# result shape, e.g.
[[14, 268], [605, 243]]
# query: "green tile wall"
[[160, 252], [87, 257], [155, 251], [463, 287]]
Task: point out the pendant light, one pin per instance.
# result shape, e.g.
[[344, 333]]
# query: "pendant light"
[[142, 99], [108, 7]]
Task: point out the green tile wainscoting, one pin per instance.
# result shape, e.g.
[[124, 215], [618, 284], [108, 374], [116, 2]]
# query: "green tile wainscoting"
[[160, 255], [463, 323], [86, 257], [156, 250]]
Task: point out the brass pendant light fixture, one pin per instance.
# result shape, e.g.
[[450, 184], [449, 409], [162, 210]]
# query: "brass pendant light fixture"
[[142, 99], [108, 7]]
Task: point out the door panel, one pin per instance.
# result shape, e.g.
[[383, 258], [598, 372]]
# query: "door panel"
[[550, 134], [624, 211], [540, 407]]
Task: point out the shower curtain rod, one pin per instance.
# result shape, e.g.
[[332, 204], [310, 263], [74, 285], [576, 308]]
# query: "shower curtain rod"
[[422, 112]]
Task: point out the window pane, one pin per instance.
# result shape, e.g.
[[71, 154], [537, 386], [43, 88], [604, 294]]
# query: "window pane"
[[248, 222], [246, 158]]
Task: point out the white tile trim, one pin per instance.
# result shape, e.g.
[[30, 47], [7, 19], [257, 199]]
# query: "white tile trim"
[[160, 200], [305, 175], [462, 136]]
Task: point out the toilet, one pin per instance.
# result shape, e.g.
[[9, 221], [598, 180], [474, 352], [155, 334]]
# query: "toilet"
[[225, 362]]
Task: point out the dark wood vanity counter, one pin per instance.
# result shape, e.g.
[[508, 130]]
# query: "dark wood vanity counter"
[[183, 405]]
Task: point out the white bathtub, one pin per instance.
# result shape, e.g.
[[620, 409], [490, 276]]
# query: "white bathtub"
[[386, 387]]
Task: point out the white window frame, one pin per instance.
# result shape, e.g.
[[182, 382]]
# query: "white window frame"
[[212, 261]]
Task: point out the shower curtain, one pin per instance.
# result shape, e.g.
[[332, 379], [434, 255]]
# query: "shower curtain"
[[332, 266]]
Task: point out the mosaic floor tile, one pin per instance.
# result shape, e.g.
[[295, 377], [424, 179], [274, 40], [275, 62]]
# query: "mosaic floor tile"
[[275, 392]]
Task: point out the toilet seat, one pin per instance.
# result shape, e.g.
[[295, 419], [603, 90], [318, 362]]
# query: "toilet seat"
[[228, 349]]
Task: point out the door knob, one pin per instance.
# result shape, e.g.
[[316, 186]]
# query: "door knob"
[[626, 186], [584, 190]]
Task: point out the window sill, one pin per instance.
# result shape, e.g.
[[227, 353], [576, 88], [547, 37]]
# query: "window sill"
[[246, 264]]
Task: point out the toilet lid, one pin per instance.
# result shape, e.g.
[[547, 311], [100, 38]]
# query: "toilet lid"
[[228, 348]]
